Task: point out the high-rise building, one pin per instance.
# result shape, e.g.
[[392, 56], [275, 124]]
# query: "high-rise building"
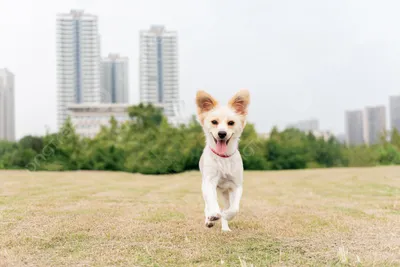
[[306, 125], [7, 106], [78, 61], [159, 70], [114, 80], [354, 127], [375, 124], [395, 112]]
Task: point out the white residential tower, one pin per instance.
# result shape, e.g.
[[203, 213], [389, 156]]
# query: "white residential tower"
[[114, 80], [159, 70], [7, 106], [354, 127], [395, 112], [78, 61], [375, 124]]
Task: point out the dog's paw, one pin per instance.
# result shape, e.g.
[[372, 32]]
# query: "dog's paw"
[[226, 230], [229, 214], [210, 224], [210, 220], [214, 217]]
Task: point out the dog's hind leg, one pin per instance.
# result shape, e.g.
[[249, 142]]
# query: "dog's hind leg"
[[224, 223]]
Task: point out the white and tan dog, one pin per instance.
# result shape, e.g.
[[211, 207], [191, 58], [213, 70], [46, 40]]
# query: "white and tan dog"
[[221, 165]]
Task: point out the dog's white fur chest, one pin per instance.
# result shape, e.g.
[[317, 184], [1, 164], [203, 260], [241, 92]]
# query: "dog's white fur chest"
[[226, 172]]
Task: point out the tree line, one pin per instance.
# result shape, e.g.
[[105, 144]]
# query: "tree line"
[[148, 144]]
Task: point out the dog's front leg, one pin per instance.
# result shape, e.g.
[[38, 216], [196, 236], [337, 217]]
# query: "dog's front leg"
[[234, 199], [212, 210]]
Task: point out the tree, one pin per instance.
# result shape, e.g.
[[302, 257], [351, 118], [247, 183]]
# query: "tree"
[[69, 147], [253, 149], [105, 151], [146, 116], [287, 150], [32, 142], [395, 138]]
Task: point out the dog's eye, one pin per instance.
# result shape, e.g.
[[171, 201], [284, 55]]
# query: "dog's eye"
[[214, 122], [230, 123]]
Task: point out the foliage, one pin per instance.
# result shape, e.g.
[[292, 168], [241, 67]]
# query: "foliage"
[[148, 144]]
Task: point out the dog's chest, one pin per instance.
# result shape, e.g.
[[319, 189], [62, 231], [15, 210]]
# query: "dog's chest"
[[226, 173], [226, 183], [225, 167]]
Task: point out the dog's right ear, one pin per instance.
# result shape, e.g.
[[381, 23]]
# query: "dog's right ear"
[[205, 102]]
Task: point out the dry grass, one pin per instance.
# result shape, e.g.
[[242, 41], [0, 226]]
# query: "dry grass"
[[290, 218]]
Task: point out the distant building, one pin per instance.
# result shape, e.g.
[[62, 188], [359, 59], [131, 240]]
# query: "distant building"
[[7, 106], [395, 112], [306, 125], [78, 61], [375, 124], [354, 126], [114, 80], [326, 135], [159, 69], [181, 115], [264, 135], [88, 118]]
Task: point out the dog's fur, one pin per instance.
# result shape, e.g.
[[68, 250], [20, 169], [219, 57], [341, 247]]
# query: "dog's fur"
[[222, 172]]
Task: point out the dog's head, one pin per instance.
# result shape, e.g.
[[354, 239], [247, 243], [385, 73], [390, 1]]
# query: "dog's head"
[[222, 125]]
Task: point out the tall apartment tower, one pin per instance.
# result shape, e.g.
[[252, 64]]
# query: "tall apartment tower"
[[354, 127], [7, 106], [395, 112], [78, 61], [159, 70], [114, 80], [375, 124]]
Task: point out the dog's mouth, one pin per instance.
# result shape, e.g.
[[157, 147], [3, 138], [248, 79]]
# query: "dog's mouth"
[[221, 144], [221, 140]]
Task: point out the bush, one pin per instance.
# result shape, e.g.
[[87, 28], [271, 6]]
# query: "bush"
[[148, 144]]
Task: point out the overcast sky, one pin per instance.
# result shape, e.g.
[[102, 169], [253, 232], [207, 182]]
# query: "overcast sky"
[[299, 59]]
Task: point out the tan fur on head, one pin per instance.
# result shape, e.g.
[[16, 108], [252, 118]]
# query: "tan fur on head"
[[240, 101], [205, 102]]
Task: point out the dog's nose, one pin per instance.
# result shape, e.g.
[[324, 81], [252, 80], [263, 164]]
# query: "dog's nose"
[[222, 134]]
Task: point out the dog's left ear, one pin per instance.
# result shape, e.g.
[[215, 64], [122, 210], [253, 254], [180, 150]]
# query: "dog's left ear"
[[240, 101]]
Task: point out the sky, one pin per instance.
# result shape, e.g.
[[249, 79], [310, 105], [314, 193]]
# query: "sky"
[[299, 59]]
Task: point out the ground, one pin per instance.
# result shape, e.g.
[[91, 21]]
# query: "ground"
[[326, 217]]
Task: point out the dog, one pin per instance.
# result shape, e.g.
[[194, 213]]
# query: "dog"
[[221, 164]]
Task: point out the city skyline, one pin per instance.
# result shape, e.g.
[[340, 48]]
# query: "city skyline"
[[342, 69]]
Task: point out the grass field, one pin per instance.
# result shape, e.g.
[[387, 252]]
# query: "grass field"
[[290, 218]]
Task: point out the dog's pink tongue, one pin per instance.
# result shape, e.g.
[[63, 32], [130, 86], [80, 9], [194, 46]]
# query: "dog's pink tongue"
[[221, 147]]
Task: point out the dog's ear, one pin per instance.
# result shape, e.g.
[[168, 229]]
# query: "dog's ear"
[[240, 101], [205, 102]]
